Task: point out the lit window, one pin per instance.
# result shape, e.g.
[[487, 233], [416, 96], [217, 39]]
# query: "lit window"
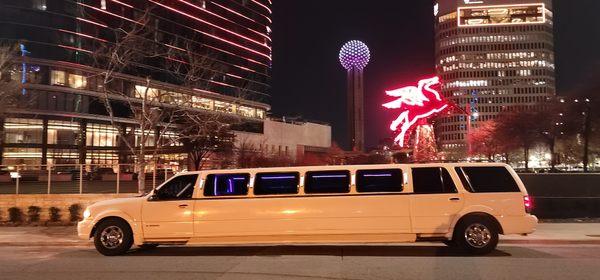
[[204, 103], [149, 93], [39, 4], [247, 111], [58, 78], [223, 106], [103, 4], [77, 81]]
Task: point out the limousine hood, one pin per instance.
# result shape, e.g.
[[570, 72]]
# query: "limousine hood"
[[130, 206]]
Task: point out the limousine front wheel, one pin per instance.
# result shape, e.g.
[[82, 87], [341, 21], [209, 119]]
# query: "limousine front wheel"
[[477, 235], [113, 237]]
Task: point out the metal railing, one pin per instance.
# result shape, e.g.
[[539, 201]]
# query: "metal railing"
[[80, 178]]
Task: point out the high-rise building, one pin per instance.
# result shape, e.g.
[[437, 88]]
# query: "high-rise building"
[[354, 57], [65, 121], [492, 56]]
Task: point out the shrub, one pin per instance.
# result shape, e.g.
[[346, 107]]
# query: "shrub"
[[33, 212], [75, 212], [15, 215], [54, 214]]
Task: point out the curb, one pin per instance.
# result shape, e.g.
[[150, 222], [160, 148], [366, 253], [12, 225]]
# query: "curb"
[[551, 242], [45, 244]]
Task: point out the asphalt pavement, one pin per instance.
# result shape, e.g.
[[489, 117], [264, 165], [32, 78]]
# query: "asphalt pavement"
[[425, 261], [555, 251]]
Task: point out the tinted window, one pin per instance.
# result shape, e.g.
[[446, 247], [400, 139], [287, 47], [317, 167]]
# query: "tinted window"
[[226, 184], [379, 180], [337, 181], [490, 179], [180, 187], [276, 183], [432, 180]]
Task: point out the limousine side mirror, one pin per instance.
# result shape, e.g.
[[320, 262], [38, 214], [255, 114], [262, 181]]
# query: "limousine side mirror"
[[153, 197]]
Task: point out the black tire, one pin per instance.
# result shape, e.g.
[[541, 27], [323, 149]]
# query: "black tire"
[[118, 233], [148, 246], [483, 235]]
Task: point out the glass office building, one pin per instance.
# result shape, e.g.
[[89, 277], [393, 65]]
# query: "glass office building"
[[492, 56], [62, 119]]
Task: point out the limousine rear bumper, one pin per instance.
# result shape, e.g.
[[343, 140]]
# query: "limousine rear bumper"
[[518, 224]]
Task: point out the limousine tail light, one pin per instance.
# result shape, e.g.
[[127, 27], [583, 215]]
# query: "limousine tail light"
[[528, 204]]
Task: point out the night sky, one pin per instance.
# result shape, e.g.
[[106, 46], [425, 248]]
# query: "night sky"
[[308, 80]]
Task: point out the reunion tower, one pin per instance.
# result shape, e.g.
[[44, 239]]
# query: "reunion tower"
[[354, 57]]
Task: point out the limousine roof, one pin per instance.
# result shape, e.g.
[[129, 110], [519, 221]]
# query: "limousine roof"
[[343, 167]]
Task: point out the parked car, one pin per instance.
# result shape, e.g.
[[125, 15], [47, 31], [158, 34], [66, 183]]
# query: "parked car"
[[464, 205]]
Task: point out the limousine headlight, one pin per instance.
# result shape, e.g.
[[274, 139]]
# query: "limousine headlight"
[[87, 213]]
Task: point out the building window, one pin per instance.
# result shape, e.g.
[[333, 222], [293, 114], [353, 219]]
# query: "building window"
[[101, 157], [260, 113], [77, 81], [223, 106], [100, 135], [203, 103], [247, 111], [58, 78], [39, 4], [63, 132], [63, 156], [27, 156], [23, 131]]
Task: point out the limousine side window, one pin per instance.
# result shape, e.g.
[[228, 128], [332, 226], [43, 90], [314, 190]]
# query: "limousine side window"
[[432, 180], [379, 180], [180, 187], [276, 183], [226, 184], [488, 179], [334, 181]]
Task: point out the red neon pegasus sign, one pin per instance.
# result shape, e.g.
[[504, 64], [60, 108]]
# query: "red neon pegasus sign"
[[415, 104]]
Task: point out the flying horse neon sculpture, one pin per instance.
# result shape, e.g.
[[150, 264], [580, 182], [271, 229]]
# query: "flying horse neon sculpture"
[[417, 105]]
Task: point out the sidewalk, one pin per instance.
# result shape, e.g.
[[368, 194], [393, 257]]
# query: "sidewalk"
[[547, 233]]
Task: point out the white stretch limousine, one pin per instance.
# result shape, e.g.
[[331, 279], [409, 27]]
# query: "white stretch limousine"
[[464, 205]]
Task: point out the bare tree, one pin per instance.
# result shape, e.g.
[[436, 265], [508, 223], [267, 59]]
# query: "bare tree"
[[9, 87], [147, 106]]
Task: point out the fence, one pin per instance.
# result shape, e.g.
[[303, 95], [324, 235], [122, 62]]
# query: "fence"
[[80, 178]]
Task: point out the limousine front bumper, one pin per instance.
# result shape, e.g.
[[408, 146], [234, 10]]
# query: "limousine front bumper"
[[84, 228], [518, 224]]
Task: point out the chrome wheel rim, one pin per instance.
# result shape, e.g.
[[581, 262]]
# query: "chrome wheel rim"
[[478, 235], [111, 237]]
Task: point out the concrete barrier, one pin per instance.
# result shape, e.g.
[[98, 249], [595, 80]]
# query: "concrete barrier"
[[560, 196]]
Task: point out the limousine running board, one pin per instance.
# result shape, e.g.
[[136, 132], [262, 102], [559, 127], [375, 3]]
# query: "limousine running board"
[[304, 239]]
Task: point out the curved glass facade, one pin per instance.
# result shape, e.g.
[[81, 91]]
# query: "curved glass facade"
[[62, 120]]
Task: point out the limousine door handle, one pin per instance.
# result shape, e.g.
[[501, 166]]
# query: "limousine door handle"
[[183, 205], [454, 198]]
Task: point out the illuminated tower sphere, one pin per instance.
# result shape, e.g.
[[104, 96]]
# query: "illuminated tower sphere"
[[354, 54], [354, 57]]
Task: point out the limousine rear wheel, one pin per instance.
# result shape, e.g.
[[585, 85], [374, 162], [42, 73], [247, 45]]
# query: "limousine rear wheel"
[[477, 235], [113, 237]]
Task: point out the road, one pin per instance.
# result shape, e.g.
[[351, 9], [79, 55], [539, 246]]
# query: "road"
[[426, 261]]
